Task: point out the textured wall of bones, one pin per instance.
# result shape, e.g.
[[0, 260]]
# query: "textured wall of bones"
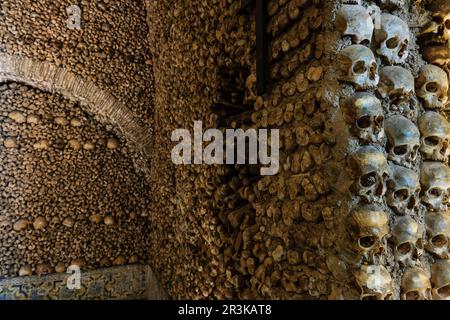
[[360, 207], [73, 185], [359, 90]]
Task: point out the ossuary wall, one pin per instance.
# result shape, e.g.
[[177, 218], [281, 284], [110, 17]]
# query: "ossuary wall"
[[74, 188], [359, 209]]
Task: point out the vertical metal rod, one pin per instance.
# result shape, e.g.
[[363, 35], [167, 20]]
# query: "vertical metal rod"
[[261, 47], [245, 4]]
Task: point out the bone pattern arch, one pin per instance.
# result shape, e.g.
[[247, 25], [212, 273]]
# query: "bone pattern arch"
[[48, 77]]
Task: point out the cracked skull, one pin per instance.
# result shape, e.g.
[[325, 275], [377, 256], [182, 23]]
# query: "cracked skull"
[[435, 132], [438, 232], [403, 140], [369, 169], [374, 282], [403, 189], [368, 229], [432, 87], [416, 285], [440, 279], [364, 114], [392, 39], [407, 238], [354, 21], [435, 181], [358, 66]]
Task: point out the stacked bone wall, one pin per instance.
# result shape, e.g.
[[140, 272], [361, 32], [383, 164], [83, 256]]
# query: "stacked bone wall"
[[69, 189], [351, 203], [184, 49], [433, 89], [74, 190], [110, 49], [397, 220], [233, 233]]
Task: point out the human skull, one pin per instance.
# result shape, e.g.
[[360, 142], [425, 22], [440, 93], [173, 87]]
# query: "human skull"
[[438, 231], [440, 279], [416, 285], [369, 169], [392, 39], [435, 132], [354, 21], [374, 282], [403, 140], [368, 228], [407, 238], [435, 181], [359, 66], [403, 189], [364, 113], [438, 30], [432, 87], [397, 84]]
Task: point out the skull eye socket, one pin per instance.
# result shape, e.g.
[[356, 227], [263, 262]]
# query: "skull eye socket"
[[401, 150], [363, 122], [365, 42], [435, 192], [359, 67], [439, 241], [432, 87], [401, 195], [447, 24], [432, 141], [368, 180], [366, 242], [404, 248], [393, 42], [412, 295], [439, 19]]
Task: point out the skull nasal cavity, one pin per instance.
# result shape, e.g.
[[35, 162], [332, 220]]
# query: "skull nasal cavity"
[[368, 180], [359, 67], [364, 122], [393, 42], [367, 242]]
